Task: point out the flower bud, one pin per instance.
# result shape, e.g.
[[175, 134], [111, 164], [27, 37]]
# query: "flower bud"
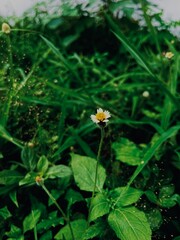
[[6, 28]]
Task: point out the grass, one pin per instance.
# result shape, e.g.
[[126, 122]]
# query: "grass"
[[124, 187]]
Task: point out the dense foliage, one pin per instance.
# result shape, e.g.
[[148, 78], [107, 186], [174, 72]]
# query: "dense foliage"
[[62, 176]]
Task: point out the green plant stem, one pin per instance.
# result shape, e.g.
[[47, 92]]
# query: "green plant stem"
[[96, 172], [35, 229], [10, 93], [59, 208]]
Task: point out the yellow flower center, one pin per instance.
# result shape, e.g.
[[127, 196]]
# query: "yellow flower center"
[[100, 116]]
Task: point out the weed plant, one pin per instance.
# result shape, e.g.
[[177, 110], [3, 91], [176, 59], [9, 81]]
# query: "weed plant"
[[89, 126]]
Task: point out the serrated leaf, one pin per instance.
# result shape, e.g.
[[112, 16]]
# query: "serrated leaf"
[[78, 227], [123, 196], [100, 207], [127, 152], [31, 220], [84, 169], [4, 213], [42, 164], [58, 171], [9, 177], [129, 224]]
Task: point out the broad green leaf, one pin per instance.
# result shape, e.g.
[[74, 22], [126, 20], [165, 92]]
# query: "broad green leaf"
[[31, 220], [42, 164], [151, 151], [78, 227], [9, 177], [154, 218], [4, 213], [28, 158], [123, 196], [129, 224], [100, 207], [58, 171], [127, 152], [84, 169]]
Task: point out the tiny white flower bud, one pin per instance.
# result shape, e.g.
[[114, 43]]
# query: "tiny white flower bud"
[[6, 28]]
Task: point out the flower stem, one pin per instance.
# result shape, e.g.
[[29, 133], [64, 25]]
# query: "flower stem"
[[66, 218], [96, 172]]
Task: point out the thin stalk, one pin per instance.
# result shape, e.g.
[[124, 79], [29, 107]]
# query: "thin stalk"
[[59, 208], [10, 93], [35, 229], [96, 171]]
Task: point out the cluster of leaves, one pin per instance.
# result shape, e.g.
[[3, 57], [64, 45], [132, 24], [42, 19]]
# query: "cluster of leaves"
[[55, 73]]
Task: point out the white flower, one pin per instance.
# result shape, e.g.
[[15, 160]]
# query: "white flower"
[[145, 94], [101, 116], [169, 55]]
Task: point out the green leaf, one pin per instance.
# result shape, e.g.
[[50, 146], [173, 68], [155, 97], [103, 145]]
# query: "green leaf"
[[28, 157], [127, 152], [100, 207], [129, 224], [124, 196], [51, 221], [168, 202], [15, 233], [9, 177], [84, 169], [31, 220], [73, 196], [28, 179], [155, 219], [94, 230], [4, 213], [13, 196], [58, 171], [78, 227], [42, 165], [151, 196], [46, 236]]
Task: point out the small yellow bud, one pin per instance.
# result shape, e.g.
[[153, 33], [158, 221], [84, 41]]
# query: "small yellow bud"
[[6, 28], [39, 180]]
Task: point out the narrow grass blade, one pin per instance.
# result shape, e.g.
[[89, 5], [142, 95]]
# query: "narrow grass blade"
[[61, 57], [150, 152]]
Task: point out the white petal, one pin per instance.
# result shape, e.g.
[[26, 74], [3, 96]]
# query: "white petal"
[[99, 110], [94, 119], [107, 114], [106, 120]]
